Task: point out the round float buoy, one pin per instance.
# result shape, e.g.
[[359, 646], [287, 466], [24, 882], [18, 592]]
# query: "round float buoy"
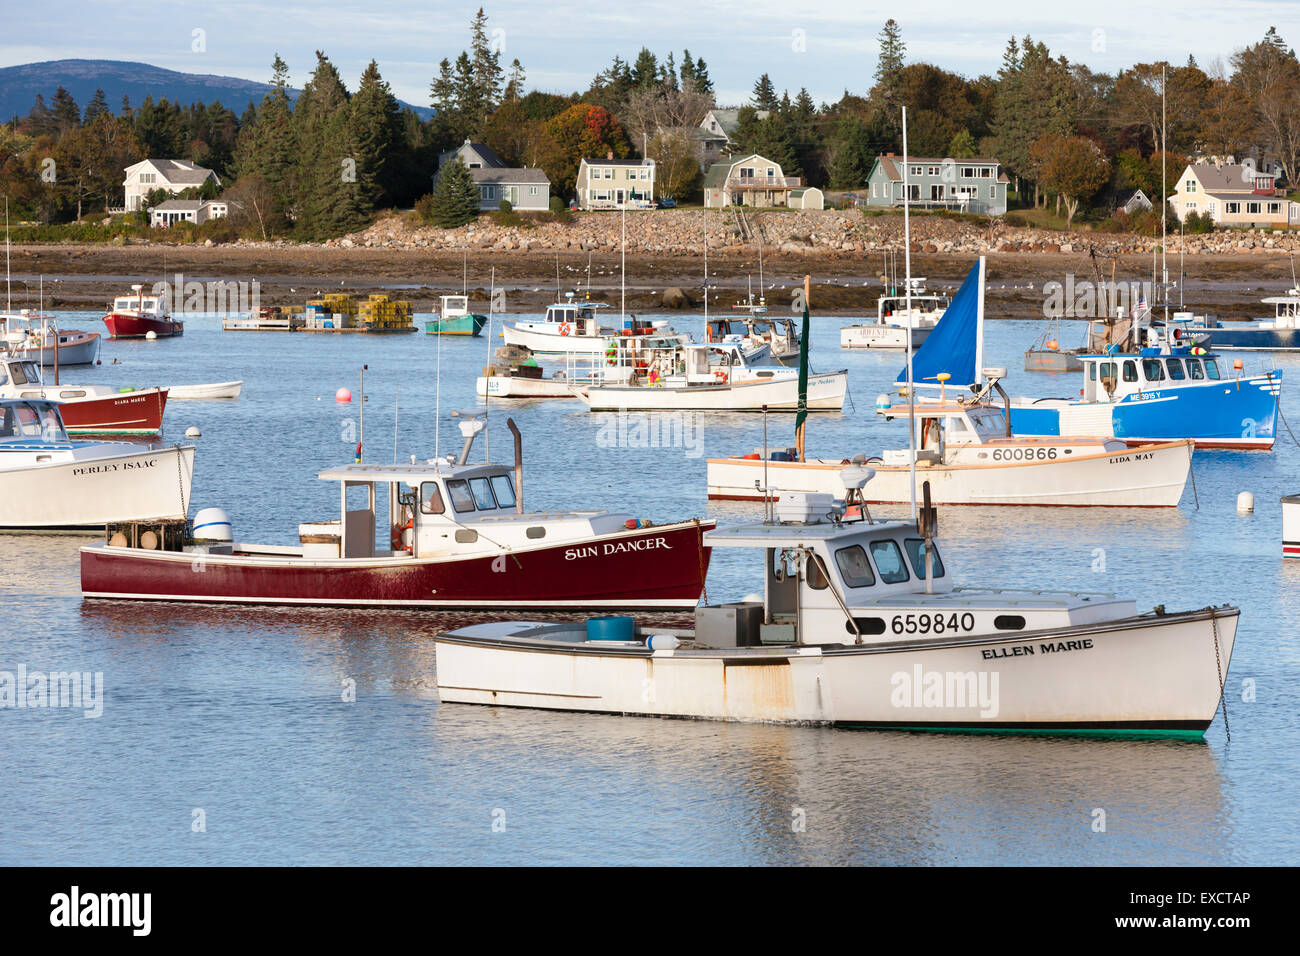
[[193, 432], [343, 396], [1245, 503], [151, 335], [662, 642]]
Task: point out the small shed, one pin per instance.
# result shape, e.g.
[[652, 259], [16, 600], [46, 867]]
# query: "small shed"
[[807, 197], [1136, 203]]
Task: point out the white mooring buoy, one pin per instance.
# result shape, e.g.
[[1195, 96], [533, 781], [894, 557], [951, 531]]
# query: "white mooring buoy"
[[151, 335], [193, 432], [1245, 503]]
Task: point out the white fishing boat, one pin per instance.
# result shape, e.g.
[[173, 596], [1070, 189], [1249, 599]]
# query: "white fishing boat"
[[860, 624], [911, 313], [576, 328], [710, 377], [964, 449], [209, 392], [48, 483]]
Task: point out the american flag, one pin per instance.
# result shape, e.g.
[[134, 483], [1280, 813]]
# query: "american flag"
[[1141, 306]]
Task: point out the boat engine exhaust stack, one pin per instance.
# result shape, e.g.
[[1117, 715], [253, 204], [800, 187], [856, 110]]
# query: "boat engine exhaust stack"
[[519, 465]]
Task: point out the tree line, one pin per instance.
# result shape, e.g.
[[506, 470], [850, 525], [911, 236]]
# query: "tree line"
[[323, 164]]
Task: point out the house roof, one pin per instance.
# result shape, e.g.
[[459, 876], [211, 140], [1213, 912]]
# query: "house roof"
[[178, 205], [717, 174], [597, 161], [489, 156], [1225, 178], [729, 120], [891, 164], [178, 172], [509, 175]]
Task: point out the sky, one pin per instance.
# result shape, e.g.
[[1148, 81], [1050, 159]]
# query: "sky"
[[824, 45]]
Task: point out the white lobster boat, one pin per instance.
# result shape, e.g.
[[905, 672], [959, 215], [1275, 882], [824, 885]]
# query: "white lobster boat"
[[964, 449], [47, 483], [574, 328], [860, 625], [1291, 526], [709, 377], [899, 316], [38, 338]]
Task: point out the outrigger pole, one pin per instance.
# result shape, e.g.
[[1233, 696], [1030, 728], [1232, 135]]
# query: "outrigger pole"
[[907, 303]]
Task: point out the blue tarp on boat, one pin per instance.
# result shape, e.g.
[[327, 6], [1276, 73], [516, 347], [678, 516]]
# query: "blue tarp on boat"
[[953, 345]]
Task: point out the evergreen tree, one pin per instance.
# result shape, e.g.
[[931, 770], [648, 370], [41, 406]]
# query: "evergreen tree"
[[514, 82], [331, 198], [703, 84], [892, 52], [486, 71], [65, 112], [40, 120], [376, 130], [455, 196], [645, 70], [764, 94], [126, 112], [97, 107]]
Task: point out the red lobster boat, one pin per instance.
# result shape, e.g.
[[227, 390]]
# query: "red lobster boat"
[[457, 537], [135, 316], [88, 409]]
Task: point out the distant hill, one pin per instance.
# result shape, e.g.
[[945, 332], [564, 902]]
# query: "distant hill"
[[19, 86]]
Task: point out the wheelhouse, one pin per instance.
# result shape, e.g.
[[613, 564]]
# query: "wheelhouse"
[[1113, 376], [19, 372], [28, 422], [144, 304], [582, 318]]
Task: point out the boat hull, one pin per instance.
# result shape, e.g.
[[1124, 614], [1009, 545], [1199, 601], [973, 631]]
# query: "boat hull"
[[1254, 339], [86, 495], [471, 324], [124, 413], [197, 393], [1153, 674], [826, 392], [651, 568], [543, 343], [1152, 476], [518, 386], [1052, 360], [124, 325], [1230, 413], [874, 336], [1291, 526]]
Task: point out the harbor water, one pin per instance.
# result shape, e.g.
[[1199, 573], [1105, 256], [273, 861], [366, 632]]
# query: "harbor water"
[[256, 735]]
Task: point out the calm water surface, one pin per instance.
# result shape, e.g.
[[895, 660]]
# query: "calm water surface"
[[239, 712]]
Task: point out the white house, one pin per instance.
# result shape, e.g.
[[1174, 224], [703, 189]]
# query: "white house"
[[524, 187], [1233, 194], [197, 211], [173, 175], [611, 183]]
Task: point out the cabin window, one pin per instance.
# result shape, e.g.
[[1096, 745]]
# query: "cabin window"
[[431, 499], [536, 532], [1194, 369], [1009, 622], [855, 567], [466, 536], [1151, 370], [482, 494], [866, 625], [1130, 371], [461, 497], [1175, 369], [1212, 369], [916, 553], [20, 375], [816, 579], [27, 422], [1107, 370], [505, 491], [889, 561]]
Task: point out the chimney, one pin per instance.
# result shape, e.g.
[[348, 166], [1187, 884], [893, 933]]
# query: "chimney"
[[889, 156], [610, 156]]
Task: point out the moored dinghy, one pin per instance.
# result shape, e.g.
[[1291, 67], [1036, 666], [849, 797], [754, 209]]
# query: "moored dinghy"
[[862, 626]]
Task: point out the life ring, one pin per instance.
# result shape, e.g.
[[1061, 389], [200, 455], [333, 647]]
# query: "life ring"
[[396, 538], [721, 375], [564, 328]]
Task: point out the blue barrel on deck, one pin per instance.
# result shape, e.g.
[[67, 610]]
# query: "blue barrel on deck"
[[611, 629]]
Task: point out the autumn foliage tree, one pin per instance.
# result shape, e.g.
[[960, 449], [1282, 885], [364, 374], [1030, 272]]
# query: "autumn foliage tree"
[[1072, 167], [581, 131]]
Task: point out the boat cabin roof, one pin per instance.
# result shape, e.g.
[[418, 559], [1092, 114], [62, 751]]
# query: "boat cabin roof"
[[410, 474], [19, 371], [791, 534]]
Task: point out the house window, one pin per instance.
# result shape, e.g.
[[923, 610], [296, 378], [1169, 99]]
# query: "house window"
[[1191, 205], [1212, 207], [968, 172], [488, 192], [1190, 186], [1231, 208], [986, 172], [1274, 208], [932, 170], [148, 177], [914, 170], [771, 172], [532, 190], [475, 165], [1253, 208], [993, 192]]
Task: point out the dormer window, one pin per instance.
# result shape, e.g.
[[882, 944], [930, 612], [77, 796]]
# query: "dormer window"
[[1190, 186]]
